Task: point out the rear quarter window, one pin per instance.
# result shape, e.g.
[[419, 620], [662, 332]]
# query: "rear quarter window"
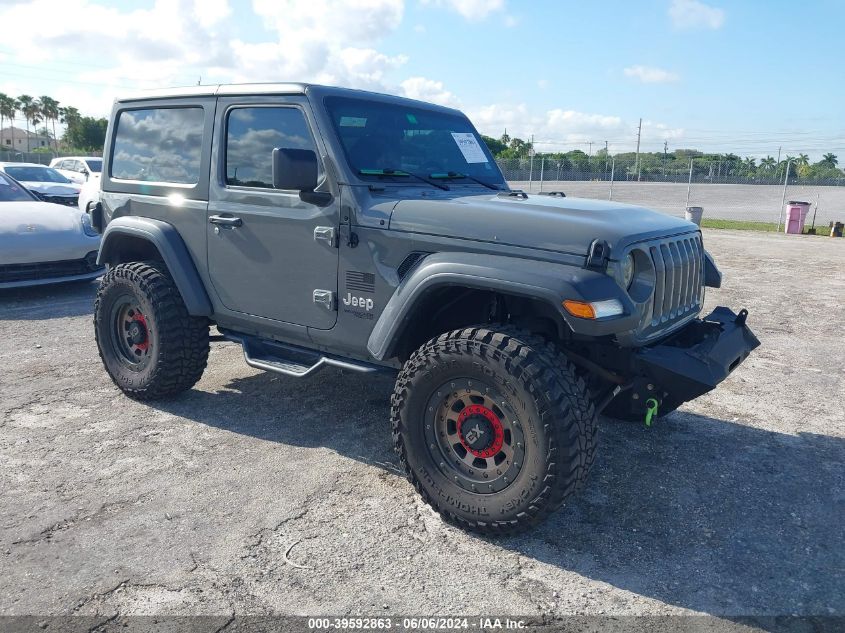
[[158, 145]]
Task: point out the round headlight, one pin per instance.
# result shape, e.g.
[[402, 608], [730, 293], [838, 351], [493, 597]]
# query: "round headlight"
[[628, 270]]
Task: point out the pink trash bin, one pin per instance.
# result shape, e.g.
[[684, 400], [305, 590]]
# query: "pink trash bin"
[[796, 214]]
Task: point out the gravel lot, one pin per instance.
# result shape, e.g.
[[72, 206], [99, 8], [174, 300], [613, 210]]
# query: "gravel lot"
[[733, 505]]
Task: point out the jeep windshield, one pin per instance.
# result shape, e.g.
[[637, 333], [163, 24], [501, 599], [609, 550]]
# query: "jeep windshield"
[[389, 140]]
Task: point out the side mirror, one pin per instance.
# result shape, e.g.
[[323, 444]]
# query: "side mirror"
[[294, 169]]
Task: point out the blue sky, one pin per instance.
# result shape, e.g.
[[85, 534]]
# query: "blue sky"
[[718, 75]]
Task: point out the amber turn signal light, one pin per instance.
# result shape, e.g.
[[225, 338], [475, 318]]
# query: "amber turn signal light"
[[580, 309]]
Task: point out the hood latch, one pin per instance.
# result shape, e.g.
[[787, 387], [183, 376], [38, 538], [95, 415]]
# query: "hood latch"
[[598, 256]]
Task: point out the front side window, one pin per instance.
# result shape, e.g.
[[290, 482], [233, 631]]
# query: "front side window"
[[380, 138], [251, 136], [158, 145]]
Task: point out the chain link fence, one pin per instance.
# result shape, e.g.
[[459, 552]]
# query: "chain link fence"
[[727, 190], [41, 158], [14, 156]]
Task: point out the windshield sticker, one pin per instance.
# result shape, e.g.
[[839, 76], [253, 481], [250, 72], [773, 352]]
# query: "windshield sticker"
[[353, 121], [469, 147]]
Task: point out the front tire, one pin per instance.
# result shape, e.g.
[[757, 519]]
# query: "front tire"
[[149, 344], [493, 427]]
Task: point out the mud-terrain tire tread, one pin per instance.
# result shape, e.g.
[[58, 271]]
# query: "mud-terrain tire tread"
[[567, 414], [183, 339]]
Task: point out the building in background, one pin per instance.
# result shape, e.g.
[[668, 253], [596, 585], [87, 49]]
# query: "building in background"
[[16, 139]]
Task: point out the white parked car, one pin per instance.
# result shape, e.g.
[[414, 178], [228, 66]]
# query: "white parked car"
[[44, 182], [42, 242], [78, 169]]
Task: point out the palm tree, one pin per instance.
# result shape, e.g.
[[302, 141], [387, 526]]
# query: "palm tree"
[[803, 159], [3, 97], [8, 108], [788, 161], [749, 165], [50, 112], [28, 108], [69, 116], [767, 163], [830, 160]]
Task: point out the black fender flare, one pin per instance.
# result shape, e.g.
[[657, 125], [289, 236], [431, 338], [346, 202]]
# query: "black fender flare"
[[540, 280], [712, 274], [170, 245]]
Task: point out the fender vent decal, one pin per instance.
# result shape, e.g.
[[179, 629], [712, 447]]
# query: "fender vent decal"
[[409, 263], [360, 282]]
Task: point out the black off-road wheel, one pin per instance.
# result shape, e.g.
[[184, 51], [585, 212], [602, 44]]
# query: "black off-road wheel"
[[150, 346], [493, 427]]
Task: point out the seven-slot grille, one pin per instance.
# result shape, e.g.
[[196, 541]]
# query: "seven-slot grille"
[[679, 278]]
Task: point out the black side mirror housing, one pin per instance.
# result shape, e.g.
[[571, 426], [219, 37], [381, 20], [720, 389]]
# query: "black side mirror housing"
[[297, 170], [294, 169]]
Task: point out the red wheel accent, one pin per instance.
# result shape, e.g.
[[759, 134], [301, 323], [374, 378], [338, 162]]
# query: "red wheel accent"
[[141, 319], [498, 431]]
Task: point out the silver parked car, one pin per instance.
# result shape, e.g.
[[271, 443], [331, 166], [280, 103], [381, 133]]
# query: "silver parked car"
[[42, 242], [44, 182]]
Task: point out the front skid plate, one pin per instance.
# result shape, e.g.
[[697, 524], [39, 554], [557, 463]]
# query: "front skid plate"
[[697, 358]]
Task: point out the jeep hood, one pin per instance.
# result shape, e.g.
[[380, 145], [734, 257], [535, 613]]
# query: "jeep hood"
[[566, 225]]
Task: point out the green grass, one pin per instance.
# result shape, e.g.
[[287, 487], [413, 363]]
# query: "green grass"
[[742, 225]]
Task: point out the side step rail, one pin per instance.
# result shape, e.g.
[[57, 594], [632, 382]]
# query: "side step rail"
[[291, 360]]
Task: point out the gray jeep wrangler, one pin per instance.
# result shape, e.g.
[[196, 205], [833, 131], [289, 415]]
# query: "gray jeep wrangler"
[[322, 227]]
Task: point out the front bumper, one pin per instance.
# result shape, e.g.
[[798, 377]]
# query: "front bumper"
[[697, 358], [52, 272]]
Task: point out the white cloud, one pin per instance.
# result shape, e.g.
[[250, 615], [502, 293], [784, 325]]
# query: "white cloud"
[[542, 84], [429, 90], [661, 131], [349, 22], [174, 41], [494, 119], [694, 14], [564, 130], [473, 10], [322, 41], [211, 12], [651, 75]]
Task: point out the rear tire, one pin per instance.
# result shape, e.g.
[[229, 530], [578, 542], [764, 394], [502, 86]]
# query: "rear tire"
[[149, 344], [493, 428]]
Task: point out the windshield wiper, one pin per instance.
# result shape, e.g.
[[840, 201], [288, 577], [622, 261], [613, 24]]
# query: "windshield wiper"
[[453, 174], [401, 173]]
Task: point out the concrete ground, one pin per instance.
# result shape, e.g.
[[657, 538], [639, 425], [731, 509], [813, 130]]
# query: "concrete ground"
[[753, 203], [256, 494]]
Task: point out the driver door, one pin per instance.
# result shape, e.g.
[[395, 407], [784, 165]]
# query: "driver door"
[[269, 252]]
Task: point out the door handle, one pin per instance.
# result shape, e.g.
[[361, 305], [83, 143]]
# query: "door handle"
[[223, 220]]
